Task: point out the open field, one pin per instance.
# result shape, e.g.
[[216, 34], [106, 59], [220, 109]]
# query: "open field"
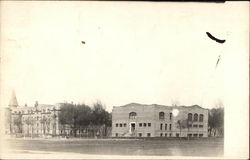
[[144, 147]]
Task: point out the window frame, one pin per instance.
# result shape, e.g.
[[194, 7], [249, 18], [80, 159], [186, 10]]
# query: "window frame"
[[201, 118], [132, 115], [161, 115], [196, 117]]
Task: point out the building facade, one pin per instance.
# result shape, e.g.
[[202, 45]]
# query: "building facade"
[[43, 120], [137, 120], [40, 119]]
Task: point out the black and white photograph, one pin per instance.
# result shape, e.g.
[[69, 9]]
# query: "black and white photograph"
[[124, 80]]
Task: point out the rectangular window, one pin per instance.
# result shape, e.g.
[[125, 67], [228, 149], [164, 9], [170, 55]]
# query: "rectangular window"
[[116, 134], [200, 126], [166, 134], [116, 124], [161, 134], [189, 135], [125, 125], [149, 124], [145, 124], [170, 116], [161, 126], [190, 126], [148, 134], [195, 135], [200, 135], [195, 126], [120, 124], [140, 124], [177, 134], [140, 134], [166, 126], [170, 127], [170, 134]]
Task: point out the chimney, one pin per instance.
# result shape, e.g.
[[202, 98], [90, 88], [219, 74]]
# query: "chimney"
[[36, 104]]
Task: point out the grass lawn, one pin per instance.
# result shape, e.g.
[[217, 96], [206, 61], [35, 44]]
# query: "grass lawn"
[[157, 147]]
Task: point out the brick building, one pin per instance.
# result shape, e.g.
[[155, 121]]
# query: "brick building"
[[138, 120]]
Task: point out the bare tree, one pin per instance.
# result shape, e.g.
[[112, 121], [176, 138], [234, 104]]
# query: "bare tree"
[[54, 116], [47, 123], [175, 103], [182, 124], [43, 121], [29, 121], [17, 121]]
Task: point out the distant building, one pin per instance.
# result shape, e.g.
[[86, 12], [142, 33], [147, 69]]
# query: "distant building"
[[43, 120], [138, 120], [40, 119]]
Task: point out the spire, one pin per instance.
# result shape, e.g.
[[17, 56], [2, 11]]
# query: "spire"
[[13, 100]]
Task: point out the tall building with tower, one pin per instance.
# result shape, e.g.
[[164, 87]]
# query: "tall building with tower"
[[39, 119], [139, 120]]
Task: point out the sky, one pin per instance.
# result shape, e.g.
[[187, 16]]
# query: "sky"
[[143, 52]]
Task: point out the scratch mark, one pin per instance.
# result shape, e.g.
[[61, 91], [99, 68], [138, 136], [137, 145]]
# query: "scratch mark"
[[217, 61], [215, 39]]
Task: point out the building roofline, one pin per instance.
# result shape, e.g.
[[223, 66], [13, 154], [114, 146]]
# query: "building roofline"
[[158, 105]]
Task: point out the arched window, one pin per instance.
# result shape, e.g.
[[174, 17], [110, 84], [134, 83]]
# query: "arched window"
[[161, 115], [132, 115], [190, 117], [195, 117], [201, 118]]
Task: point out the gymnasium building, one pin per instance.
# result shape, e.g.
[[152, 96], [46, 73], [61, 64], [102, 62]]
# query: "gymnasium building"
[[139, 120]]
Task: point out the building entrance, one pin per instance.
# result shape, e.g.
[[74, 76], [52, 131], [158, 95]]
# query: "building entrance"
[[132, 127]]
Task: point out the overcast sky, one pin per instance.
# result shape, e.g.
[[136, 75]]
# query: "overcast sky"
[[150, 53]]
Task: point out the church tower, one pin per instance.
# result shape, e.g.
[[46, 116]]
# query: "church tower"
[[13, 100]]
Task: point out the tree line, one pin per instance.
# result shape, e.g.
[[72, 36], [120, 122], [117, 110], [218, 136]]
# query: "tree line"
[[216, 121], [79, 117]]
